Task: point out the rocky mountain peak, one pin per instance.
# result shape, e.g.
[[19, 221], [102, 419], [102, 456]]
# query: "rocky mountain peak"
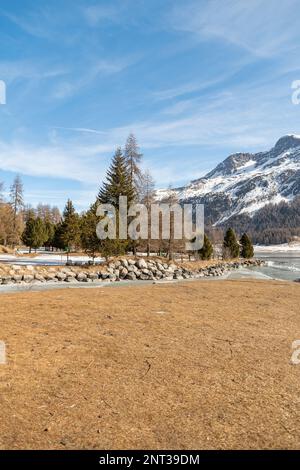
[[287, 142], [246, 182]]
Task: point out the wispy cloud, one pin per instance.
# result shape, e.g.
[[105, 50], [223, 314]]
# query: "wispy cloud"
[[261, 27], [99, 13], [39, 22], [12, 70], [93, 70]]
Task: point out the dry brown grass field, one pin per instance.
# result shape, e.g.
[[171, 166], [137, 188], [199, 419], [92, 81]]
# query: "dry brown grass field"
[[201, 364]]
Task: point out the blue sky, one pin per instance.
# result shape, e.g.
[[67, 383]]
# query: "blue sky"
[[194, 80]]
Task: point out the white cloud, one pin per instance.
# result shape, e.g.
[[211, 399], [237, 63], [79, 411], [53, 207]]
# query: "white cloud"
[[50, 161], [29, 70], [263, 28], [96, 13], [96, 68]]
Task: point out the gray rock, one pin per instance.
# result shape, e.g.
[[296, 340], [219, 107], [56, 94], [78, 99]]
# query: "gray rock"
[[144, 277], [141, 264], [125, 263], [92, 276], [71, 279], [61, 276], [131, 276], [123, 272], [50, 277], [70, 274]]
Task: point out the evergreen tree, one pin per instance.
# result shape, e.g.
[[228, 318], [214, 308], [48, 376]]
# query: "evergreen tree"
[[207, 250], [133, 159], [89, 240], [118, 182], [50, 231], [70, 229], [57, 238], [35, 234], [231, 246], [113, 247], [247, 250]]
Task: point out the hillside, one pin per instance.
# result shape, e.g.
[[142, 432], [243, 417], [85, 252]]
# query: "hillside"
[[245, 182]]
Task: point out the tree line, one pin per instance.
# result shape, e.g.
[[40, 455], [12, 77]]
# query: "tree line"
[[272, 224], [69, 231]]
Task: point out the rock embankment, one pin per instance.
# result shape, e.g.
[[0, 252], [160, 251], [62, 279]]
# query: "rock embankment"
[[118, 270]]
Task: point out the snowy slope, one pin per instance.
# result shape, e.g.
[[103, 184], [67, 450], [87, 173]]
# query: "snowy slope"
[[245, 182]]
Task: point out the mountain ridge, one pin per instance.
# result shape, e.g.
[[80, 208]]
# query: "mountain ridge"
[[246, 182]]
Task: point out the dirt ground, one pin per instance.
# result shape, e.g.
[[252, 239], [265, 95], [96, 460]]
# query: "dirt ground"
[[194, 365]]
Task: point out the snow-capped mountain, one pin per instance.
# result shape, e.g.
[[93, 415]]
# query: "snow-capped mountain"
[[246, 182]]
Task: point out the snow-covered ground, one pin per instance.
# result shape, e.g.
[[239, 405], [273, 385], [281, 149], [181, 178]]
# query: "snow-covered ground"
[[284, 248], [45, 259]]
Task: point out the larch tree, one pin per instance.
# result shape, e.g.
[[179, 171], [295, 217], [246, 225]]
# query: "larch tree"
[[133, 158], [171, 198], [147, 197], [16, 202]]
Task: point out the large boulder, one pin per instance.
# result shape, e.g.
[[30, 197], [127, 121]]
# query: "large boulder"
[[141, 264], [81, 277], [130, 276], [123, 272]]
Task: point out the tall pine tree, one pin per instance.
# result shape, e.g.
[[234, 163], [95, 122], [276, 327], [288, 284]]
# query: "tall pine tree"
[[247, 250], [70, 228], [35, 233], [118, 182], [207, 250], [231, 246], [89, 240]]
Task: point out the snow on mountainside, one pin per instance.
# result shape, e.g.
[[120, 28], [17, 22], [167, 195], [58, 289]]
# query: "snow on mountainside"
[[245, 182]]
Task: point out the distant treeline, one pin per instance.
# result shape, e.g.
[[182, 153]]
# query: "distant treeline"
[[273, 224]]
